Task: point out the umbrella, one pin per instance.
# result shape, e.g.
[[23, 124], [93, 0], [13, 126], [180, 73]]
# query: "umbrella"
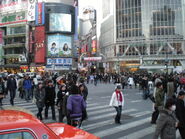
[[59, 78]]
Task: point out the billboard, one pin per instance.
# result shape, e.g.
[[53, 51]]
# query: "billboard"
[[60, 22], [40, 48], [11, 5], [12, 18], [59, 46]]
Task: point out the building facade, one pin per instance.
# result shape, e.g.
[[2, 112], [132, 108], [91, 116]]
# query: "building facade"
[[27, 28], [146, 34]]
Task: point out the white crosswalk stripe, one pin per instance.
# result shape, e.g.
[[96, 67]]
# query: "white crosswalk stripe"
[[102, 117]]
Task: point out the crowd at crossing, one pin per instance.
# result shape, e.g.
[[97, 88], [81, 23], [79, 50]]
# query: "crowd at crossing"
[[61, 90]]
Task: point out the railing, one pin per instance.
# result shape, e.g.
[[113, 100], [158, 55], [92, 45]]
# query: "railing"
[[148, 57], [14, 45]]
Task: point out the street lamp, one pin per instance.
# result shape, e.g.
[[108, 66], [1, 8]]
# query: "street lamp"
[[118, 63]]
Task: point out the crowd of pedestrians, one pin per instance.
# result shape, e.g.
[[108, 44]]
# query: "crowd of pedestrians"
[[68, 93]]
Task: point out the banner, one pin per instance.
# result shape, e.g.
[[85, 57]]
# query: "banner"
[[31, 10], [40, 15], [59, 46], [40, 48]]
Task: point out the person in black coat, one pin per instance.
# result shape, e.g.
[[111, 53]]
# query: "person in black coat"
[[12, 86], [50, 99], [62, 96], [2, 90], [180, 113], [40, 97]]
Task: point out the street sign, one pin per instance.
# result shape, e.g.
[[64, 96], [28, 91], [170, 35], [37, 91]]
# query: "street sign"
[[92, 58]]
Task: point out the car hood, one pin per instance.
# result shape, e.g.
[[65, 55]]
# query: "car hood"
[[65, 131]]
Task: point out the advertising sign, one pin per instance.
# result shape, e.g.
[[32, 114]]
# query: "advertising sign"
[[60, 22], [92, 58], [59, 61], [1, 37], [59, 46], [40, 48], [31, 10], [12, 5], [12, 18], [93, 46], [40, 15]]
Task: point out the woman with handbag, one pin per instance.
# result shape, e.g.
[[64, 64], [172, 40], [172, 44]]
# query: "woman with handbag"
[[2, 90], [117, 101]]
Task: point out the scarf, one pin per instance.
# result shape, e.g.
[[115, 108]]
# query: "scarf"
[[118, 94]]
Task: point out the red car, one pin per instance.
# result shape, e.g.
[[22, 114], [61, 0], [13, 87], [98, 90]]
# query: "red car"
[[21, 125]]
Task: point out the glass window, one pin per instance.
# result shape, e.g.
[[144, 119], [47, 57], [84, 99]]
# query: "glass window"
[[17, 135], [16, 30]]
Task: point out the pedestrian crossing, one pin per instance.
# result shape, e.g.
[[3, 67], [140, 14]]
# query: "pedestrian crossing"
[[100, 122]]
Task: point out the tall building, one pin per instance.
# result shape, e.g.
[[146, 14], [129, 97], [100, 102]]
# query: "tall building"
[[29, 28], [145, 34]]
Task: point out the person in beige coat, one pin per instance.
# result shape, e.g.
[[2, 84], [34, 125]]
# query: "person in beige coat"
[[117, 101]]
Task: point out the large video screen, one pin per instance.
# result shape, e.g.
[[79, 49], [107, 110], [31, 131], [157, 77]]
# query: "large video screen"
[[59, 46], [60, 22]]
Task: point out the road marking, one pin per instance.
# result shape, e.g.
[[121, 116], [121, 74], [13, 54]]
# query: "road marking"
[[106, 97], [140, 133], [121, 128], [136, 101], [139, 114], [108, 115], [99, 124], [100, 111], [98, 107]]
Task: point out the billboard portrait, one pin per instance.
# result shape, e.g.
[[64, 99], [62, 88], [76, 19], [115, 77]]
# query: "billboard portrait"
[[60, 22], [59, 46]]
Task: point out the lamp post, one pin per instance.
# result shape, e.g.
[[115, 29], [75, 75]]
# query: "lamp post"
[[118, 63]]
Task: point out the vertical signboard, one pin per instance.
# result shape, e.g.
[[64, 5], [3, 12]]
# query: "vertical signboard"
[[40, 15], [40, 48], [93, 47], [1, 37], [1, 45], [31, 10]]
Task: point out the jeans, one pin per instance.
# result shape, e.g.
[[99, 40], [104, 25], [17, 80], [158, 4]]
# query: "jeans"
[[28, 93], [118, 115], [39, 114], [155, 115], [52, 109], [12, 96]]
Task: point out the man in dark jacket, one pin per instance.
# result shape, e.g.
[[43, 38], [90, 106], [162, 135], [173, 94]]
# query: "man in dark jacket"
[[50, 99], [2, 90], [12, 86], [180, 113]]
